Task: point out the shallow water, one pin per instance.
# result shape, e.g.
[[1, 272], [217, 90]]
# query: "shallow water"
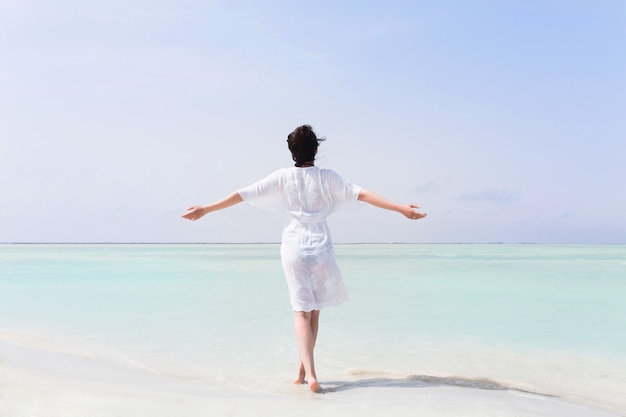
[[535, 319]]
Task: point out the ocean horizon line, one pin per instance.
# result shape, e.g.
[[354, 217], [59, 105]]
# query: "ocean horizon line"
[[278, 243]]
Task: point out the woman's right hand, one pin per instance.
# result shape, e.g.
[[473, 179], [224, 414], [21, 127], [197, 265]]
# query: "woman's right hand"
[[409, 212]]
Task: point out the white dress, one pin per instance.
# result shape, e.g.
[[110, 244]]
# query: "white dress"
[[306, 196]]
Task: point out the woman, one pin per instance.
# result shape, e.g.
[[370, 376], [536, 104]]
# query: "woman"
[[306, 195]]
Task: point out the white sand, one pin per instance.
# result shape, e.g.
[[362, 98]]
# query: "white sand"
[[39, 381]]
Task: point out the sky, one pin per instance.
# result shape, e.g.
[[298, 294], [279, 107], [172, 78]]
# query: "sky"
[[505, 120]]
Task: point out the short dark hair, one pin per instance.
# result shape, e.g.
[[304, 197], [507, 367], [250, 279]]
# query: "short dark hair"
[[303, 144]]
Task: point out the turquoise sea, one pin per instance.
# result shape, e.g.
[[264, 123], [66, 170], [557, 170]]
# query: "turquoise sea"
[[532, 318]]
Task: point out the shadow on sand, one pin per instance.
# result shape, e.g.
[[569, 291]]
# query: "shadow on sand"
[[421, 381]]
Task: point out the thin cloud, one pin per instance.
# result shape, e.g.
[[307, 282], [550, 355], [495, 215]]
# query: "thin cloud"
[[427, 187], [493, 196]]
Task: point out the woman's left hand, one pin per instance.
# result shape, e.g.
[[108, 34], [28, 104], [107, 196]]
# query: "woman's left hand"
[[195, 212]]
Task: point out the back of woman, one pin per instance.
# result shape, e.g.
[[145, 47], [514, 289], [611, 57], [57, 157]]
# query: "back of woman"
[[306, 195]]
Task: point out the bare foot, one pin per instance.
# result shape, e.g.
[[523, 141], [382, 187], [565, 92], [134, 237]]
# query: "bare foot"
[[300, 378], [315, 386]]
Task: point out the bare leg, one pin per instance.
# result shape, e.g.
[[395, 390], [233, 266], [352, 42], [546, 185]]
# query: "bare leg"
[[304, 323], [315, 316]]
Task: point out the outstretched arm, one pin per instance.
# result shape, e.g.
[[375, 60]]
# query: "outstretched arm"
[[406, 210], [195, 212]]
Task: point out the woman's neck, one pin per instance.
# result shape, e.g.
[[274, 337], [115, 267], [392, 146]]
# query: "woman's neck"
[[305, 164]]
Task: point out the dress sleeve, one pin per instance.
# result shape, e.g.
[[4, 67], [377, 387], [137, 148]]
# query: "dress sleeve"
[[345, 194], [265, 193]]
